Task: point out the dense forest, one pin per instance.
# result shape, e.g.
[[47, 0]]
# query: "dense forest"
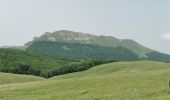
[[156, 56], [81, 51]]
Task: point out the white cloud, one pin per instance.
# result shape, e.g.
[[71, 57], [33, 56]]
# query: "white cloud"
[[166, 36]]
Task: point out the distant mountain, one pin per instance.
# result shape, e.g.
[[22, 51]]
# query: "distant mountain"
[[84, 38], [102, 41], [81, 51]]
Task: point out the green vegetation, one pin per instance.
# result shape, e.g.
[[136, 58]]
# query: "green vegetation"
[[20, 62], [156, 56], [91, 46], [61, 53], [7, 78], [12, 58], [77, 67], [140, 80], [81, 51], [88, 51], [83, 38]]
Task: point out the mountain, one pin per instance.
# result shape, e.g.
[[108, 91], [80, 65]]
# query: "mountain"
[[84, 38], [81, 51], [69, 44]]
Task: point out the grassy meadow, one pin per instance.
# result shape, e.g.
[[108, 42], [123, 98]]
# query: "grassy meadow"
[[7, 78], [139, 80]]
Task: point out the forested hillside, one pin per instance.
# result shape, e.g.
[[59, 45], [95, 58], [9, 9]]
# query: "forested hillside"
[[85, 38], [81, 51], [157, 56], [13, 58], [21, 62], [17, 61]]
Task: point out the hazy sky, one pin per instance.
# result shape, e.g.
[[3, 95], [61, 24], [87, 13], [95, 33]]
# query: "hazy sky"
[[145, 21]]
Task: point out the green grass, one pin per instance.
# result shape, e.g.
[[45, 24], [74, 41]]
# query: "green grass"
[[140, 80], [7, 78]]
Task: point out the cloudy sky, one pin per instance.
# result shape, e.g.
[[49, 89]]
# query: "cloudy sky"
[[145, 21]]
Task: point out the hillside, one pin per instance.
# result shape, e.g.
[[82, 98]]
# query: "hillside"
[[81, 51], [84, 38], [121, 81], [89, 51], [120, 68], [21, 62], [7, 78], [17, 61]]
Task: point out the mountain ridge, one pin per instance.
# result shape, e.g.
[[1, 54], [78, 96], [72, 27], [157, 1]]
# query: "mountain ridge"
[[86, 38]]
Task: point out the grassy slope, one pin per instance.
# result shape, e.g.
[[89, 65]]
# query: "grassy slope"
[[7, 78], [127, 43], [142, 80]]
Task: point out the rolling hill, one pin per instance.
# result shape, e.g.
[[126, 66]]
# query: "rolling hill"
[[7, 78], [137, 80]]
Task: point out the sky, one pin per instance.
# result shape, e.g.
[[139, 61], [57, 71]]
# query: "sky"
[[145, 21]]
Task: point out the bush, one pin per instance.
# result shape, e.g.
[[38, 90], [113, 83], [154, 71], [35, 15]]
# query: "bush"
[[34, 72], [44, 74], [23, 69]]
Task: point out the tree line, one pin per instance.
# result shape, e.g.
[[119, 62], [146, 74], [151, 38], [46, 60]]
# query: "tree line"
[[75, 67]]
